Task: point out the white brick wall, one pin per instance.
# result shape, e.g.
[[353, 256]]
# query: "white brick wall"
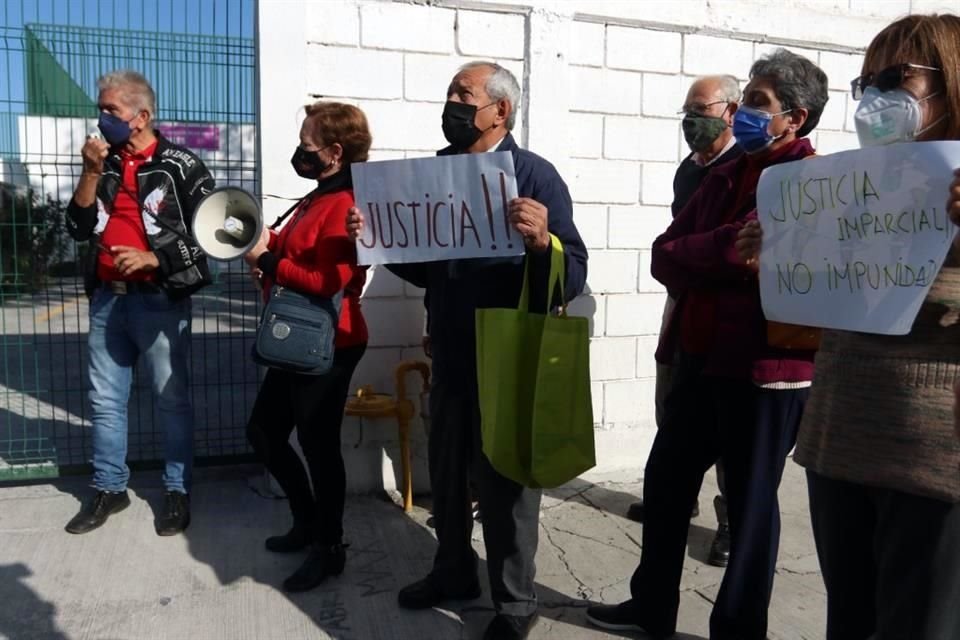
[[603, 90]]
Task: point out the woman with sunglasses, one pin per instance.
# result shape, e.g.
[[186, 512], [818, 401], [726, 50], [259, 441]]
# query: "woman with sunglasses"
[[883, 462], [312, 254]]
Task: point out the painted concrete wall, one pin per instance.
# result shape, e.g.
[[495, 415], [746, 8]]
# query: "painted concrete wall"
[[603, 81]]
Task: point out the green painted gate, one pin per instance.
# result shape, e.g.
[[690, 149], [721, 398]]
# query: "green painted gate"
[[199, 56]]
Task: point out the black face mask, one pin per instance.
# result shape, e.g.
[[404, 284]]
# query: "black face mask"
[[307, 164], [459, 126], [700, 130]]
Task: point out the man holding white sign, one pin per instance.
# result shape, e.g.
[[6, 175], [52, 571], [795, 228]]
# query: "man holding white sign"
[[481, 109], [414, 212]]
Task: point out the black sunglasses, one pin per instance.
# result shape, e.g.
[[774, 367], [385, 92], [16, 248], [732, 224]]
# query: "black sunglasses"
[[886, 79]]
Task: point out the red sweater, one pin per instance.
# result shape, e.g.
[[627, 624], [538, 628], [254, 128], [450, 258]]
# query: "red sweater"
[[316, 256]]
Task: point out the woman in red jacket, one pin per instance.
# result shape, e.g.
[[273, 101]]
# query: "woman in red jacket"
[[312, 254]]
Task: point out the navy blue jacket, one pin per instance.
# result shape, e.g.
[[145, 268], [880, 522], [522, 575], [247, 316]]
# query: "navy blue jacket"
[[455, 289]]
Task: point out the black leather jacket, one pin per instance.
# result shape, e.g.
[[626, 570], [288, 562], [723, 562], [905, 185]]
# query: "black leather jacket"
[[170, 184]]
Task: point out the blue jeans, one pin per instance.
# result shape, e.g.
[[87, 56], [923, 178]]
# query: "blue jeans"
[[123, 328]]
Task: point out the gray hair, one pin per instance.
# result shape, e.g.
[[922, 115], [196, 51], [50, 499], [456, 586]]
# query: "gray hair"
[[797, 83], [135, 88], [729, 87], [501, 85]]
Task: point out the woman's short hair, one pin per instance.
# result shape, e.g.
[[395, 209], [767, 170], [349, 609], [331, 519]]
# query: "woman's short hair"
[[344, 124], [930, 40], [797, 83]]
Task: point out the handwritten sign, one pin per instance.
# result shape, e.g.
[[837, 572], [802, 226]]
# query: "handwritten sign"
[[440, 208], [854, 240]]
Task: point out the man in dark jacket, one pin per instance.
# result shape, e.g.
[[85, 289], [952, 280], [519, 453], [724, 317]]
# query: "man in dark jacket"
[[707, 121], [481, 109], [134, 202]]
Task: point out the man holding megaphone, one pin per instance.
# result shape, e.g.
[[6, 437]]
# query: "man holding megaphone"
[[134, 202]]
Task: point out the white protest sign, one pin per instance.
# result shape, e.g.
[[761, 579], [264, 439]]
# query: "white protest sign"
[[854, 240], [438, 208]]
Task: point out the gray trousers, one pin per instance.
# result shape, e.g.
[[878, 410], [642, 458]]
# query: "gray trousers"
[[510, 512]]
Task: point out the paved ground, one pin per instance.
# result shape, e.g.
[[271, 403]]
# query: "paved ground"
[[217, 582]]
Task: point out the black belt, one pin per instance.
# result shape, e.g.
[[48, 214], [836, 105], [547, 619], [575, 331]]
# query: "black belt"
[[123, 287]]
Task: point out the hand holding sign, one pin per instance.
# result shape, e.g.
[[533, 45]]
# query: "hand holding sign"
[[953, 202], [749, 241], [354, 223], [529, 217]]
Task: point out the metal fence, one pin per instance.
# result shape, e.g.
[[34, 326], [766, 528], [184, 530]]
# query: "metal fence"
[[199, 55]]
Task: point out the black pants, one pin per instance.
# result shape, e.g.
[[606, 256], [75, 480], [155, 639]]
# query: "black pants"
[[753, 430], [510, 511], [314, 405], [890, 561]]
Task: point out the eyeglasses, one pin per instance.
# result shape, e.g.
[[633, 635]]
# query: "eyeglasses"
[[700, 108], [886, 79]]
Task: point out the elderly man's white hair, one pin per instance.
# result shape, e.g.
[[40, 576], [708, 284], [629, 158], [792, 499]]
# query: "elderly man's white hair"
[[135, 88], [501, 85], [729, 86]]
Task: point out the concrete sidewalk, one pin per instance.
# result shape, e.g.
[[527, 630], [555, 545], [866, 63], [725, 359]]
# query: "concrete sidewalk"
[[217, 582]]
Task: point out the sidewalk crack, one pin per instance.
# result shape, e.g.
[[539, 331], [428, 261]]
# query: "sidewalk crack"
[[583, 591]]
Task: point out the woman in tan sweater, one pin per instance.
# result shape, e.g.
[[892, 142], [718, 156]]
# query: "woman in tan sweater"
[[877, 436]]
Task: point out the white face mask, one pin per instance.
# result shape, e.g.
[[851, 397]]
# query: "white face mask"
[[885, 117]]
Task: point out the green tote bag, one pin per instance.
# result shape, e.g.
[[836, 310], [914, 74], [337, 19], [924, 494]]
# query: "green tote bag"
[[533, 374]]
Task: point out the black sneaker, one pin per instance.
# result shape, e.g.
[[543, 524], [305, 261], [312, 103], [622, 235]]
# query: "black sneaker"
[[622, 617], [95, 513], [321, 562], [297, 539], [176, 514], [428, 593], [504, 627]]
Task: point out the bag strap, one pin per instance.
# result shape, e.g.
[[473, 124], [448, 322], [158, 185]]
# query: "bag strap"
[[557, 271], [554, 280], [285, 214]]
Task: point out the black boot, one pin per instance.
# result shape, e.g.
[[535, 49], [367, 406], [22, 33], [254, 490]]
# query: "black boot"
[[322, 561], [720, 549], [176, 514], [95, 513], [297, 539]]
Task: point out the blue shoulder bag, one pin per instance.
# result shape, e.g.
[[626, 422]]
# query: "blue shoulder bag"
[[297, 330]]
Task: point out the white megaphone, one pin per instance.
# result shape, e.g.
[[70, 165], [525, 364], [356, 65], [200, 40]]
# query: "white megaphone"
[[227, 223]]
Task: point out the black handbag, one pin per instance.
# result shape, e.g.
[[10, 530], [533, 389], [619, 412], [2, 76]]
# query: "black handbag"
[[297, 330]]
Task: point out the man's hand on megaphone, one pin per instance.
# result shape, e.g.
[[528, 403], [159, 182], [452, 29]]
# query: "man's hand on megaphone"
[[128, 260], [354, 223], [94, 152]]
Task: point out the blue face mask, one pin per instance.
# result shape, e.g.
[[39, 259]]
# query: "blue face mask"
[[751, 129], [116, 131]]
